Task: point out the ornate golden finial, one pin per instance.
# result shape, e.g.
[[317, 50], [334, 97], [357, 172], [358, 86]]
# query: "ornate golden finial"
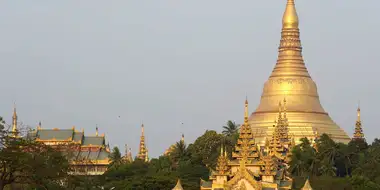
[[126, 149], [39, 126], [290, 18], [284, 108], [97, 132], [146, 156], [358, 134], [290, 61], [183, 138], [14, 121], [358, 112], [245, 147], [279, 119], [143, 151], [128, 154], [246, 112], [293, 143], [222, 164]]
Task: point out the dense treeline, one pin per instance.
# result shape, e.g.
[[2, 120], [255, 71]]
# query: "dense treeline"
[[331, 165], [188, 163], [327, 164]]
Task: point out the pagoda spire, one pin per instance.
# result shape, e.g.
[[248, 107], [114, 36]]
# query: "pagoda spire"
[[290, 61], [280, 137], [14, 122], [39, 125], [246, 112], [245, 147], [222, 164], [290, 78], [290, 18], [358, 134], [142, 149], [183, 138]]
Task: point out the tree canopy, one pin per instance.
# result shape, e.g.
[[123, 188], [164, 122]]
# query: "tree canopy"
[[25, 164]]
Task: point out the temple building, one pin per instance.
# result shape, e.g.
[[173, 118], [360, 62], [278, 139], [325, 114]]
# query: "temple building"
[[143, 150], [255, 167], [290, 79], [88, 155], [358, 134]]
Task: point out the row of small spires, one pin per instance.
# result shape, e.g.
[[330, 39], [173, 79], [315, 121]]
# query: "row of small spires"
[[358, 134]]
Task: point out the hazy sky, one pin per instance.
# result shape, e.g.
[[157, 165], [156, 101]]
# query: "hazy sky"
[[85, 63]]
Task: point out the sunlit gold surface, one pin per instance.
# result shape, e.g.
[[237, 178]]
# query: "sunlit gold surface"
[[358, 134], [291, 80]]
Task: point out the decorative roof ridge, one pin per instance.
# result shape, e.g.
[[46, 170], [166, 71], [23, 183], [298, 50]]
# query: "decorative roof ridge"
[[54, 129]]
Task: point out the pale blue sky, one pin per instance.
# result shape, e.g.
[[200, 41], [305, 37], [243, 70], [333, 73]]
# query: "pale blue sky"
[[165, 62]]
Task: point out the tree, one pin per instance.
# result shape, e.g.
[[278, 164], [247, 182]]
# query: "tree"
[[32, 163], [206, 148], [303, 161], [179, 152], [115, 157], [230, 129]]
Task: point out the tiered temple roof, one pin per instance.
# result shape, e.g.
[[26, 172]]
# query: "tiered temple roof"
[[245, 147], [222, 167], [280, 141], [84, 150], [250, 167]]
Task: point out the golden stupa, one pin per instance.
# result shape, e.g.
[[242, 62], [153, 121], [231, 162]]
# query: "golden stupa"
[[290, 80]]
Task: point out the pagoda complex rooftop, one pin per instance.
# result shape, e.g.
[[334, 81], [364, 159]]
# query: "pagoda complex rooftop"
[[89, 154]]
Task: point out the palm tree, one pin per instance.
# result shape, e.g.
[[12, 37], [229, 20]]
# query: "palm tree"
[[230, 129], [231, 134], [115, 157], [179, 152], [303, 161]]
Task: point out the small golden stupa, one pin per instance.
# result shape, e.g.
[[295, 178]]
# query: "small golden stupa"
[[358, 134], [290, 79]]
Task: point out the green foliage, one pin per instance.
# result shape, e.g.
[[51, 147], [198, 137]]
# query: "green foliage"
[[115, 157], [337, 166], [187, 163], [31, 163], [328, 165], [206, 148], [230, 129]]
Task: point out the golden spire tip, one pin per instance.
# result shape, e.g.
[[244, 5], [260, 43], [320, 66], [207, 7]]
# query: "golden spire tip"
[[290, 18], [97, 132]]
